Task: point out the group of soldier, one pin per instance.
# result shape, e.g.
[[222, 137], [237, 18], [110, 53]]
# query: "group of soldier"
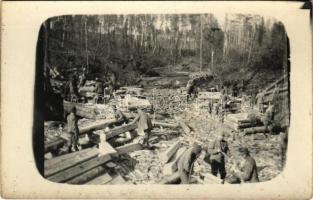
[[104, 87], [214, 154]]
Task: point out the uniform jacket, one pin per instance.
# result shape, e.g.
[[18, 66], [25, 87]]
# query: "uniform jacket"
[[72, 123], [260, 98], [144, 122], [219, 146]]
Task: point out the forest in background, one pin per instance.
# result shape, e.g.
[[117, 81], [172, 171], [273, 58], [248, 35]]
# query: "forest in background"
[[249, 51]]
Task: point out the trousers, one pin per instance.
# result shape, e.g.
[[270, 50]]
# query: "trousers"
[[218, 167]]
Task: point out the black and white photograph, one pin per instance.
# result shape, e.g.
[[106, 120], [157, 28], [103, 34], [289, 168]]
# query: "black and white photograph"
[[164, 98]]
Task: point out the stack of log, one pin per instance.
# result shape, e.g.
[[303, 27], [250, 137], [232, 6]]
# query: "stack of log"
[[90, 111], [132, 102], [238, 121], [87, 166], [76, 168]]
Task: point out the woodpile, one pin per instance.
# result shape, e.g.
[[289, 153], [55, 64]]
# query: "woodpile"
[[90, 111], [237, 121], [76, 166]]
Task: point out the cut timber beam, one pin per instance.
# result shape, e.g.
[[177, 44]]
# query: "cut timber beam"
[[171, 167], [56, 144], [271, 86], [102, 179], [87, 176], [80, 110], [79, 169], [184, 126], [164, 124], [99, 125], [105, 148], [60, 163], [128, 148], [166, 156], [121, 129]]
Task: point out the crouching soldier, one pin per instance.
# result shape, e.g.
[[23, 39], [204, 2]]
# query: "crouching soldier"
[[73, 129], [248, 172], [186, 161]]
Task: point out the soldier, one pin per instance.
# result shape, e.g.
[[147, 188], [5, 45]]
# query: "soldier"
[[73, 130], [144, 126], [218, 151], [260, 101], [190, 89], [186, 161], [99, 89], [269, 118], [249, 172]]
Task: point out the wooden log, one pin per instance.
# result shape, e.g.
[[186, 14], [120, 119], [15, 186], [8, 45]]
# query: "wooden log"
[[99, 125], [128, 148], [166, 156], [102, 179], [105, 148], [271, 86], [260, 129], [87, 176], [185, 127], [81, 110], [56, 144], [155, 123], [60, 163], [121, 129], [79, 169], [171, 167], [170, 179]]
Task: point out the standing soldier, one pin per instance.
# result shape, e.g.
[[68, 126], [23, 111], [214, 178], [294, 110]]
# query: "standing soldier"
[[268, 118], [275, 96], [99, 89], [82, 80], [218, 151], [260, 101], [72, 128], [144, 126], [113, 81], [190, 89], [186, 161]]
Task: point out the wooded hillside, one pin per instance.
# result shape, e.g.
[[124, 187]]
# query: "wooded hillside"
[[245, 50]]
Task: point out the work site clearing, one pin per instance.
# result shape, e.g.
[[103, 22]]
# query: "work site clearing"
[[163, 99], [114, 154]]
